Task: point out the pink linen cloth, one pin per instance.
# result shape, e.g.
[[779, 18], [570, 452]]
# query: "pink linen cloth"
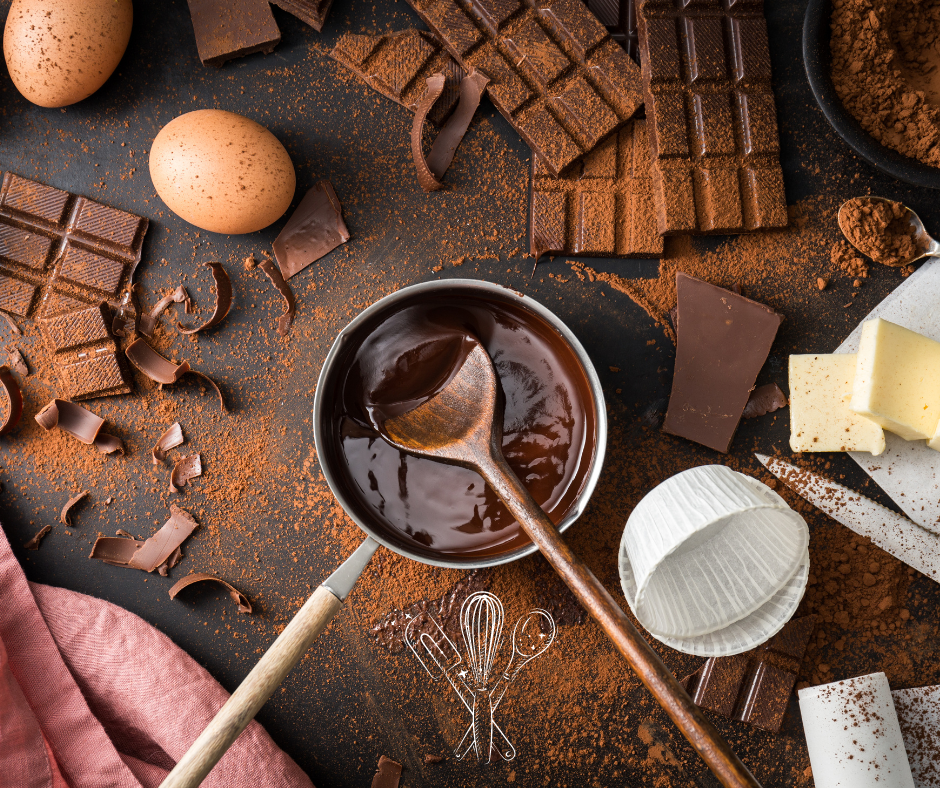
[[92, 696]]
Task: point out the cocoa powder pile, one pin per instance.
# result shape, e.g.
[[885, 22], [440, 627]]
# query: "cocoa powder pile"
[[882, 229]]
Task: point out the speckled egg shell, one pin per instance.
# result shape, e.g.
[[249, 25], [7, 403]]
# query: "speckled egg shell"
[[222, 172], [59, 52]]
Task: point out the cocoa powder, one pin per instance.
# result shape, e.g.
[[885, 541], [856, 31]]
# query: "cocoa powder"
[[882, 229]]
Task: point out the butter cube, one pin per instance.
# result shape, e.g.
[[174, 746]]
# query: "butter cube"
[[820, 419], [897, 380]]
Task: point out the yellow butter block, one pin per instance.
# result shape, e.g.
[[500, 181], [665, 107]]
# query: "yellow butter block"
[[897, 380], [820, 419]]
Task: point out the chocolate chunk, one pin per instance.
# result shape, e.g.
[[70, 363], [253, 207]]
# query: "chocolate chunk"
[[619, 17], [555, 73], [754, 687], [61, 252], [85, 353], [186, 468], [33, 544], [223, 300], [170, 439], [148, 322], [153, 552], [64, 517], [315, 228], [162, 370], [244, 605], [722, 342], [80, 423], [313, 12], [713, 125], [429, 759], [388, 774], [226, 29], [18, 363], [763, 400], [10, 322], [14, 397], [397, 65], [290, 305], [602, 206]]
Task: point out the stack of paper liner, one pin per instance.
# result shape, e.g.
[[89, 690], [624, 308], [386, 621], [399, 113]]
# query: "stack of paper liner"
[[713, 562]]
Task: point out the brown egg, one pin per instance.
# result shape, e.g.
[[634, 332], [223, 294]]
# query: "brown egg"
[[61, 51], [222, 172]]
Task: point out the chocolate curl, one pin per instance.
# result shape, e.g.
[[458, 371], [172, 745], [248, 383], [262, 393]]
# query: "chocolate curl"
[[290, 305], [80, 423], [170, 439], [223, 300], [127, 318], [162, 370], [763, 400], [13, 327], [64, 514], [244, 605], [148, 322], [18, 362], [189, 467], [154, 552], [12, 389], [33, 544], [175, 557]]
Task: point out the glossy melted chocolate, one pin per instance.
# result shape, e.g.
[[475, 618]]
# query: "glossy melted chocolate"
[[548, 423]]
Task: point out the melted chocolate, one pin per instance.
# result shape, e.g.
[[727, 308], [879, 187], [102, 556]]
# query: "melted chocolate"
[[407, 357]]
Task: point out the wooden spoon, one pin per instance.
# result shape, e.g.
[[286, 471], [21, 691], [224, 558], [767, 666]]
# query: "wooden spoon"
[[463, 425]]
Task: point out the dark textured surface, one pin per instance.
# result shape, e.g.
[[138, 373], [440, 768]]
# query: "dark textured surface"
[[344, 705]]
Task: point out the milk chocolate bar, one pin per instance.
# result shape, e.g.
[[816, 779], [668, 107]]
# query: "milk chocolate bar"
[[619, 17], [602, 206], [398, 64], [226, 29], [713, 125], [313, 12], [555, 73], [754, 687]]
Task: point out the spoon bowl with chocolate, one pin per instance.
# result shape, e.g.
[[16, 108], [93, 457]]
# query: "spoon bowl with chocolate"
[[887, 231]]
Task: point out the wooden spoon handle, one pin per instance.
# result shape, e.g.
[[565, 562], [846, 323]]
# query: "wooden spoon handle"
[[658, 679]]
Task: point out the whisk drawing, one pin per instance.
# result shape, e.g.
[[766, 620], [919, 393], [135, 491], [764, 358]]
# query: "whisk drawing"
[[474, 680]]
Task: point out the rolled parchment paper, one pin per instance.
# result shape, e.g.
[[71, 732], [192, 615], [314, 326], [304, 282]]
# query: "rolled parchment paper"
[[919, 715], [853, 735]]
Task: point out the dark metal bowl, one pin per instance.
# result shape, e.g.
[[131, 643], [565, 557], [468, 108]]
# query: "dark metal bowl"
[[817, 58]]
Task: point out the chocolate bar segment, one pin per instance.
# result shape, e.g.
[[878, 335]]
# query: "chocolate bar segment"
[[555, 73], [398, 64], [601, 206], [313, 12], [713, 125], [227, 29], [619, 17]]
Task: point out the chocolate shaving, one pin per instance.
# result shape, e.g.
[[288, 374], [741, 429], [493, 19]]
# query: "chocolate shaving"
[[429, 759], [763, 400], [388, 774], [152, 553], [148, 322], [315, 228], [80, 423], [175, 557], [189, 467], [244, 605], [15, 407], [290, 305], [127, 317], [116, 550], [33, 544], [64, 514], [223, 300], [170, 439], [431, 169], [162, 370], [18, 362], [13, 327]]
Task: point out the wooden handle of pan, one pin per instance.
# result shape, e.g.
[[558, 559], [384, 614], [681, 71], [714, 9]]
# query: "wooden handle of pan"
[[688, 717], [257, 687]]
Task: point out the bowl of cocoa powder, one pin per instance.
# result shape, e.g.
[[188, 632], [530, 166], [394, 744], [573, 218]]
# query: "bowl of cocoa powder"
[[874, 68]]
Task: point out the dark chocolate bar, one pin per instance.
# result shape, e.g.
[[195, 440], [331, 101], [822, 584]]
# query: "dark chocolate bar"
[[754, 687], [313, 12], [602, 206], [398, 64], [555, 73], [619, 17], [713, 125], [226, 29]]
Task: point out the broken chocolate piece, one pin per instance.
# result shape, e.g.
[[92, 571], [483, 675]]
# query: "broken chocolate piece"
[[148, 322], [64, 516], [397, 64], [170, 439], [162, 370], [619, 17], [763, 400], [14, 398], [80, 423], [712, 120], [244, 605], [315, 228], [555, 73], [722, 343], [85, 353], [189, 467], [226, 29], [754, 687], [18, 363], [388, 774], [602, 206], [223, 300], [115, 550], [429, 759], [33, 544], [156, 550], [175, 557], [313, 12], [9, 321], [290, 305]]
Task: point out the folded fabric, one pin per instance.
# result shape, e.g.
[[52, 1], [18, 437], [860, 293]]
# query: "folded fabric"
[[93, 696]]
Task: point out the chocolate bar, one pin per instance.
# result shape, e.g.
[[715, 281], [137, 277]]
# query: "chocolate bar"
[[313, 12], [603, 205], [555, 73], [226, 29], [713, 125], [754, 687], [619, 17], [722, 341]]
